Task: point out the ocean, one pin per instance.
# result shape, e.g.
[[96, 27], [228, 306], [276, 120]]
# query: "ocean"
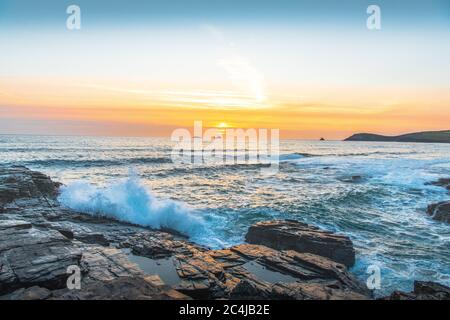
[[374, 192]]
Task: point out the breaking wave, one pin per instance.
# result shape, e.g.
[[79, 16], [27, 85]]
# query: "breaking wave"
[[130, 201]]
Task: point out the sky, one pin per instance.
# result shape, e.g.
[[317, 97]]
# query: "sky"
[[144, 68]]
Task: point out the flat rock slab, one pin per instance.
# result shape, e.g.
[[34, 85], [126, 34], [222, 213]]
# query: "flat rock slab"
[[122, 288], [276, 274], [301, 237]]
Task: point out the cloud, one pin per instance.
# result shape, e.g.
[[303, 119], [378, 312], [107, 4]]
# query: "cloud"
[[242, 74]]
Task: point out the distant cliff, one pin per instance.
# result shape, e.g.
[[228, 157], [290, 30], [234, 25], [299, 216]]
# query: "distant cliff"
[[428, 136]]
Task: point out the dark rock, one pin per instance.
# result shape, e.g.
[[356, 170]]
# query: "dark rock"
[[247, 289], [223, 274], [294, 235], [158, 245], [313, 291], [20, 182], [66, 233], [423, 291], [39, 240], [122, 288], [32, 256], [33, 293], [443, 182], [440, 211], [94, 238]]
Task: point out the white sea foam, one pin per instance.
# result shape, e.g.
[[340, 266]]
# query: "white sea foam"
[[129, 200]]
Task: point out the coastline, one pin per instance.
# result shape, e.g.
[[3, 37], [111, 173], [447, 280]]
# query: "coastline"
[[39, 240]]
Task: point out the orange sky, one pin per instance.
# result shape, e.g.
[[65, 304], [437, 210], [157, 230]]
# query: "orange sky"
[[124, 109]]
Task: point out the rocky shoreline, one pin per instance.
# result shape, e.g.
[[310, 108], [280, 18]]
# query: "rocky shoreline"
[[440, 211], [40, 240]]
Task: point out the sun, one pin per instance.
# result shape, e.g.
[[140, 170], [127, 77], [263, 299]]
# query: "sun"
[[222, 125]]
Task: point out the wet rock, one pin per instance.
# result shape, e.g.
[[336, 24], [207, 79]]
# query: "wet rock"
[[443, 182], [423, 291], [248, 289], [223, 274], [20, 182], [313, 291], [304, 266], [440, 211], [39, 240], [32, 256], [153, 244], [294, 235], [33, 293], [105, 264], [122, 288], [93, 237]]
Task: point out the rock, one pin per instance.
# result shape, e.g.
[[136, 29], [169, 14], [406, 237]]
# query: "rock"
[[94, 237], [443, 182], [122, 288], [33, 293], [257, 272], [440, 211], [158, 245], [294, 235], [32, 256], [39, 240], [135, 288], [313, 291], [20, 182], [423, 291]]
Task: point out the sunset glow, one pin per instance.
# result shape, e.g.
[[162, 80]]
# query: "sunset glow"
[[309, 82]]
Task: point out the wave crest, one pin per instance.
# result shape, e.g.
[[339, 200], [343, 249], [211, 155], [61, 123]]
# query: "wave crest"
[[129, 200]]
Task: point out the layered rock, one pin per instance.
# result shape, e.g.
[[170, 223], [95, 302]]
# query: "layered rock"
[[423, 290], [120, 288], [440, 211], [294, 235], [39, 240], [250, 271]]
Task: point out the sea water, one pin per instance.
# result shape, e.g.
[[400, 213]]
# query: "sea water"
[[374, 192]]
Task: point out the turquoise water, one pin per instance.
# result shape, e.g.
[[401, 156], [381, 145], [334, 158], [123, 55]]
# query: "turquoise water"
[[382, 210]]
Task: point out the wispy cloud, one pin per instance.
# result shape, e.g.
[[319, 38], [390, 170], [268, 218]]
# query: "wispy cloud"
[[188, 99], [240, 71]]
